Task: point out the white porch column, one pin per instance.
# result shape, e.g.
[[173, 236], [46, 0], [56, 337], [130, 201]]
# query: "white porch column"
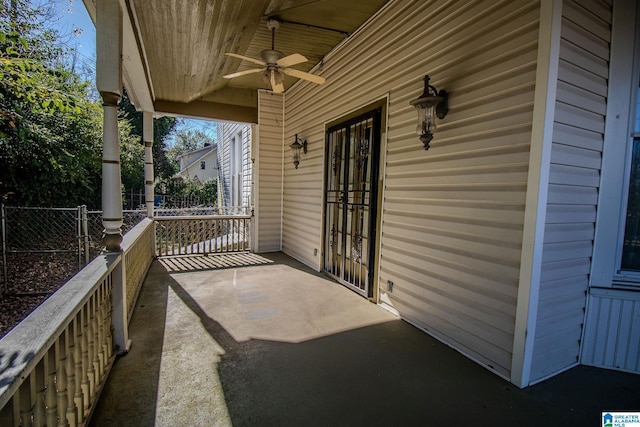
[[147, 136], [109, 84]]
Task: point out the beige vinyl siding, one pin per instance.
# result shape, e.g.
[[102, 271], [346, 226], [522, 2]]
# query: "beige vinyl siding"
[[573, 185], [268, 167], [452, 216]]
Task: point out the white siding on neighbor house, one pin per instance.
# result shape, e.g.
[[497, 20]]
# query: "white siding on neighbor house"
[[613, 340], [224, 163], [268, 169], [573, 185], [227, 131], [452, 216], [194, 170]]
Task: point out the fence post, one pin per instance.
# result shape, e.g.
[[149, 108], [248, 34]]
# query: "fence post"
[[85, 233], [79, 235], [5, 274]]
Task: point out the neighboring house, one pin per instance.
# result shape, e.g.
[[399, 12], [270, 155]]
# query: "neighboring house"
[[199, 165], [234, 158], [512, 239]]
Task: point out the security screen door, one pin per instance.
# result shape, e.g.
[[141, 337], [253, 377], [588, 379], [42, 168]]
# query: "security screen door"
[[351, 196]]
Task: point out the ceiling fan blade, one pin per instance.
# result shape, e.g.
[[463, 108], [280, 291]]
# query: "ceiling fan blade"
[[275, 86], [304, 76], [246, 58], [290, 60], [243, 73]]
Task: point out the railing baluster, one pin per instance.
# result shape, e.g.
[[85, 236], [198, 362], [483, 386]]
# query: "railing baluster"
[[38, 386], [225, 235], [216, 224], [96, 343], [234, 234], [181, 238], [62, 379], [7, 414], [187, 237], [26, 410], [79, 371], [108, 314], [72, 381], [240, 235], [207, 235], [87, 366], [200, 238], [51, 400], [170, 238], [99, 331]]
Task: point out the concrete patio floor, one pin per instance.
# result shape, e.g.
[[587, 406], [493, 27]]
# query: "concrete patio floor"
[[262, 340]]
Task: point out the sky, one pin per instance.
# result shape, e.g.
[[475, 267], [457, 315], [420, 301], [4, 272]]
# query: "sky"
[[77, 32]]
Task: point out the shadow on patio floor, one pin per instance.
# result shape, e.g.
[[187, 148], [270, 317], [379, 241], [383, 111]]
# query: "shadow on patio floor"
[[278, 344]]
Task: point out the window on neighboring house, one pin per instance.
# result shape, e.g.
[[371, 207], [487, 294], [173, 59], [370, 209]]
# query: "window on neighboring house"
[[203, 165]]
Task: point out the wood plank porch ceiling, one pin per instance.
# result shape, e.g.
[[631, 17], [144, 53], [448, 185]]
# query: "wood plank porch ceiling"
[[183, 43]]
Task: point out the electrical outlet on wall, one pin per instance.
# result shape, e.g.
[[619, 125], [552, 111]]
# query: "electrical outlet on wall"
[[315, 251], [390, 285]]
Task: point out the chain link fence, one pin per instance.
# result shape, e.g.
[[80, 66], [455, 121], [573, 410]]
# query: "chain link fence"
[[44, 247]]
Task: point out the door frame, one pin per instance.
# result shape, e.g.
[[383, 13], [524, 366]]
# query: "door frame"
[[375, 240]]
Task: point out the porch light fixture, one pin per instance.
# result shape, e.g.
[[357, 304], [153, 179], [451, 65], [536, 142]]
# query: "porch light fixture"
[[431, 104], [298, 144]]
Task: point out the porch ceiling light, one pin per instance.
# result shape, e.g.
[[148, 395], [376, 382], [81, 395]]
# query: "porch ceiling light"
[[298, 144], [431, 104]]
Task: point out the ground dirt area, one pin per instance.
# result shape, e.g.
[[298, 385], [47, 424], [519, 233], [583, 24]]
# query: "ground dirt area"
[[32, 278]]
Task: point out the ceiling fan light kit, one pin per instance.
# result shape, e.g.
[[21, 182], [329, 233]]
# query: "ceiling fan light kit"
[[274, 63]]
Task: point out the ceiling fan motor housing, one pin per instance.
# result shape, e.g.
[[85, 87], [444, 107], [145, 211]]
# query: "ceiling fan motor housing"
[[271, 56]]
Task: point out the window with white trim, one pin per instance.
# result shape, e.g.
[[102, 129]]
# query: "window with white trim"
[[630, 259], [616, 254]]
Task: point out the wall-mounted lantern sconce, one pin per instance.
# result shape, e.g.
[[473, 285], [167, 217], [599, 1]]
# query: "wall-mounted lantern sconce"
[[431, 104], [298, 144]]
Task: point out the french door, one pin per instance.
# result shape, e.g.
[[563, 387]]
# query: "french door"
[[351, 196]]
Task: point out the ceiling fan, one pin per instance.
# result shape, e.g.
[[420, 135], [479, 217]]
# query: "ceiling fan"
[[274, 63]]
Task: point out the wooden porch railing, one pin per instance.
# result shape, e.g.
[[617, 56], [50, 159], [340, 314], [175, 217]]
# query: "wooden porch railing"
[[139, 250], [54, 364], [202, 234]]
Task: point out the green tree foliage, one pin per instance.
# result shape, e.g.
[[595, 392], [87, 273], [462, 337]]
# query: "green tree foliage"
[[49, 129], [131, 158], [163, 127], [189, 140], [206, 193], [51, 124]]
